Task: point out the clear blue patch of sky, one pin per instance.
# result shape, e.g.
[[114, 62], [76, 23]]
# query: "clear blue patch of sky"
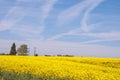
[[108, 7]]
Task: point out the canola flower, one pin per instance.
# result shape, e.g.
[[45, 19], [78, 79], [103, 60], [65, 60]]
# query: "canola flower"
[[69, 68]]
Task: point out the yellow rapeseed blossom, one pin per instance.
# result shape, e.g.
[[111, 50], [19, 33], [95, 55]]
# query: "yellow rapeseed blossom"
[[74, 68]]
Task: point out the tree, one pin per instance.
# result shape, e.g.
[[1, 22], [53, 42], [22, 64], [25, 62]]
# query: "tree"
[[22, 50], [35, 54], [13, 49]]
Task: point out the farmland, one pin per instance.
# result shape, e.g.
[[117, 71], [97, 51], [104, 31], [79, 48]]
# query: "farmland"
[[58, 68]]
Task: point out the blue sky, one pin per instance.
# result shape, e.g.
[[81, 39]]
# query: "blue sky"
[[68, 26]]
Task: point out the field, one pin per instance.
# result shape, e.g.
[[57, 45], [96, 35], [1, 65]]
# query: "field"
[[58, 68]]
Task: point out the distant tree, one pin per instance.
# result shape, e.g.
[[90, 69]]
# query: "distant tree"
[[59, 55], [47, 55], [68, 55], [35, 54], [13, 49], [22, 50], [2, 54]]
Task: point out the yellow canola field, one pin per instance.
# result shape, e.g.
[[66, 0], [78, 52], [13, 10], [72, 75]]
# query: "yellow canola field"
[[74, 68]]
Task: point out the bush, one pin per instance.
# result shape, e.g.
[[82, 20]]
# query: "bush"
[[47, 55]]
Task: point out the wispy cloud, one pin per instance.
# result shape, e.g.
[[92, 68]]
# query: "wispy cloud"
[[4, 25], [58, 36], [19, 12], [88, 6], [27, 31], [84, 25], [14, 15], [73, 12], [36, 31], [100, 40], [102, 37], [47, 8]]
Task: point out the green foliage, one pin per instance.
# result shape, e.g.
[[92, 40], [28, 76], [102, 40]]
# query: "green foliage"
[[13, 49], [15, 76], [22, 50]]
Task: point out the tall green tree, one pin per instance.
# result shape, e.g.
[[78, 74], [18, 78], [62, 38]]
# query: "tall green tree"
[[13, 49], [22, 50]]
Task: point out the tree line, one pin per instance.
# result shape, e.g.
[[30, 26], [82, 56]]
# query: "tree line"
[[22, 50]]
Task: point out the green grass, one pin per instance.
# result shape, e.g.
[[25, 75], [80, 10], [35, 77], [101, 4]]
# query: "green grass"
[[15, 76]]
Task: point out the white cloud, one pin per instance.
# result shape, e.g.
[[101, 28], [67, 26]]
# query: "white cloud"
[[74, 11], [58, 36], [102, 37], [100, 40], [46, 8], [105, 35], [4, 25], [14, 15], [28, 31], [36, 31], [84, 25], [17, 13]]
